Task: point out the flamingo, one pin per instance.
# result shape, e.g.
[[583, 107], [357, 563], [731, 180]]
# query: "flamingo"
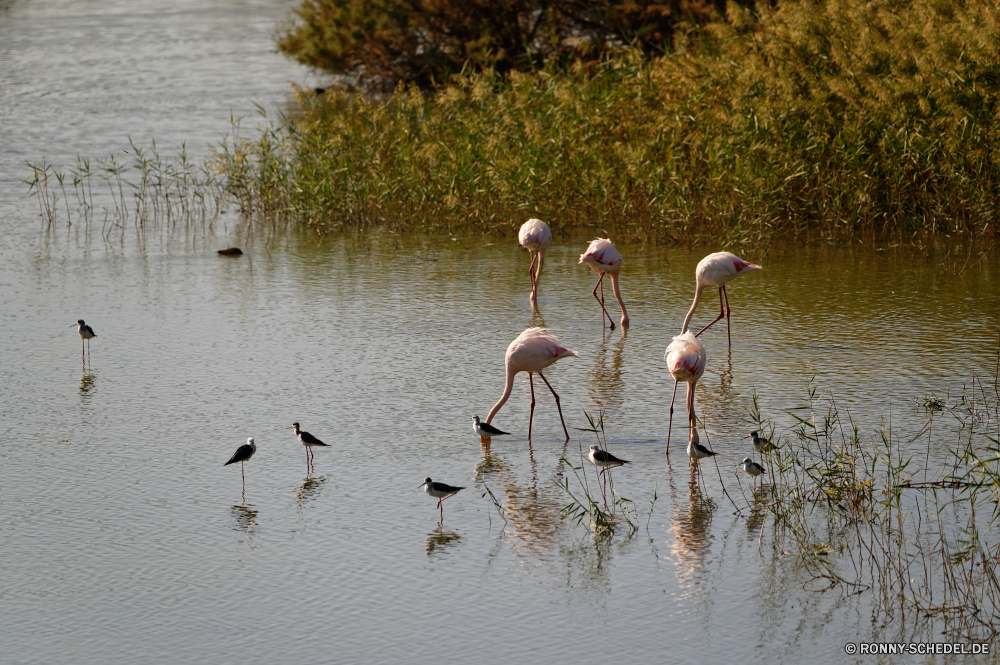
[[535, 235], [686, 362], [605, 259], [717, 270], [531, 352]]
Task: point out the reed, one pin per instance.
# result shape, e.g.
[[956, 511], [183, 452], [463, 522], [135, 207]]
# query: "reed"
[[779, 123], [859, 514], [146, 189], [608, 512]]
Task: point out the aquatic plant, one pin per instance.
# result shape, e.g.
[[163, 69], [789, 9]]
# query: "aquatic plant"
[[612, 511], [860, 515]]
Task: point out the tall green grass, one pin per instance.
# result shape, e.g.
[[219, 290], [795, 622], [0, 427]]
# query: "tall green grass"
[[835, 120]]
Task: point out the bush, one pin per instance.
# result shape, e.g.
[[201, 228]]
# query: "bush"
[[382, 42]]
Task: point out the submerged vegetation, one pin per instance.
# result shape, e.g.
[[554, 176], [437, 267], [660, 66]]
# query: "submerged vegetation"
[[843, 120]]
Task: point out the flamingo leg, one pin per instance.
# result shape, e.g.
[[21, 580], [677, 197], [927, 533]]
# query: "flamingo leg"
[[729, 327], [531, 414], [600, 301], [722, 311], [671, 421], [531, 273], [563, 420]]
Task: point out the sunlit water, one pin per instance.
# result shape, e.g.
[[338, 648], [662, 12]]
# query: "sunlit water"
[[124, 539]]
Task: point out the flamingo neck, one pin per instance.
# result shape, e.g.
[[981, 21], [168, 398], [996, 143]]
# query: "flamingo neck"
[[541, 260], [618, 297], [694, 306], [506, 394]]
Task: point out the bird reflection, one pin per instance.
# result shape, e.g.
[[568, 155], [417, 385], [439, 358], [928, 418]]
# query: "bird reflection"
[[605, 383], [536, 316], [87, 384], [534, 523], [309, 490], [244, 519], [440, 539], [692, 536]]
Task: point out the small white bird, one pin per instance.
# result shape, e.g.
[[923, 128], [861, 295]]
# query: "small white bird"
[[485, 430], [86, 333], [752, 467], [440, 491], [604, 459], [695, 450], [308, 440]]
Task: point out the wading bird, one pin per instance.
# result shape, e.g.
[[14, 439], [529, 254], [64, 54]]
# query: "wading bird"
[[686, 362], [485, 430], [717, 270], [760, 444], [242, 454], [440, 491], [309, 441], [695, 450], [535, 236], [604, 459], [531, 352], [752, 468], [86, 333], [605, 260]]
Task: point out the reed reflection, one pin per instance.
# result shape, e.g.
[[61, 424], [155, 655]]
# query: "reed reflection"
[[440, 539]]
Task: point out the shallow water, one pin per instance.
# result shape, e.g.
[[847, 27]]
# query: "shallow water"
[[126, 540]]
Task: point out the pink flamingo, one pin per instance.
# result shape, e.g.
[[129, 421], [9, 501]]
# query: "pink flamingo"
[[531, 352], [535, 235], [717, 270], [605, 259], [686, 362]]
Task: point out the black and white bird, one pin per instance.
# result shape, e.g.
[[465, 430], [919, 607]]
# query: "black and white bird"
[[86, 333], [696, 451], [485, 429], [242, 454], [440, 491], [604, 459], [760, 444], [752, 467], [308, 440]]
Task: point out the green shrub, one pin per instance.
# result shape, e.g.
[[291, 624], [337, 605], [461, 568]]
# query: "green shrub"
[[841, 119]]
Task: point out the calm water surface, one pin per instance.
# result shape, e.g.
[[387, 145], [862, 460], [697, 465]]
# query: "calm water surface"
[[124, 539]]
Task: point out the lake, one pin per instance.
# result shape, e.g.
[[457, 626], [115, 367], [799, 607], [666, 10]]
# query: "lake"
[[125, 539]]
